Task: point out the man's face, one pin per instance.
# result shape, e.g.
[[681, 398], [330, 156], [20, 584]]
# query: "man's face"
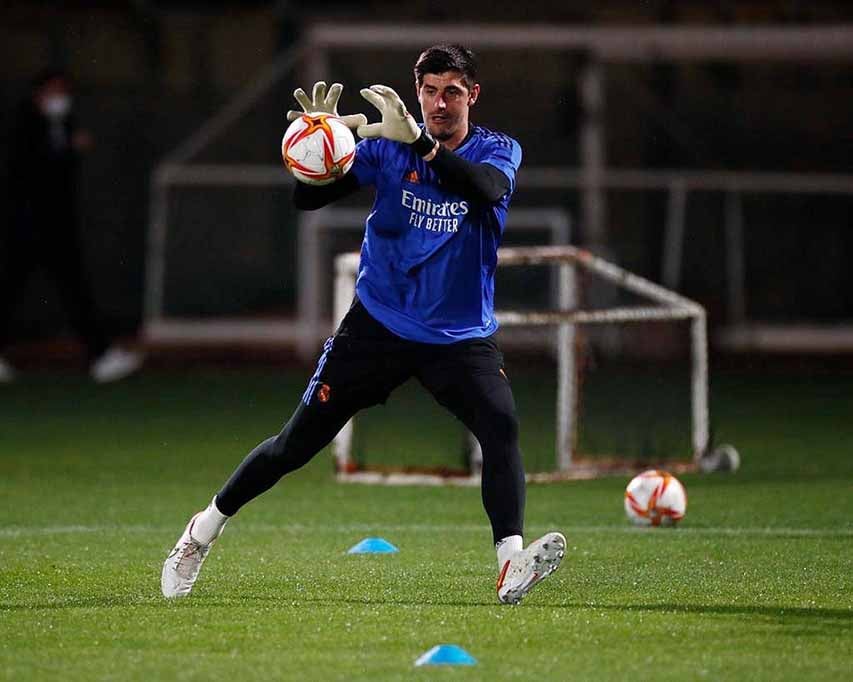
[[445, 101]]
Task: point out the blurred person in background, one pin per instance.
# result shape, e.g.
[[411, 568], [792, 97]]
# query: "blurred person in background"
[[44, 230]]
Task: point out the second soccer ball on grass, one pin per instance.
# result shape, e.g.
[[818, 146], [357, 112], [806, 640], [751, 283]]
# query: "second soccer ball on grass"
[[318, 149], [655, 498]]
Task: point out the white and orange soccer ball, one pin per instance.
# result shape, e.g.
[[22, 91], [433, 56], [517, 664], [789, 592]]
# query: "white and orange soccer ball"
[[655, 498], [318, 149]]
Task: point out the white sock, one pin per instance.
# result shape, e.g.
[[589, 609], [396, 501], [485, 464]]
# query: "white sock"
[[507, 547], [208, 525]]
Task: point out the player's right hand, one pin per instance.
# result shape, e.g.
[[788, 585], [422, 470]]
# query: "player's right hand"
[[322, 103]]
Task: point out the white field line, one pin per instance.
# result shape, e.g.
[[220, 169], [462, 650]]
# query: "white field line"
[[378, 528]]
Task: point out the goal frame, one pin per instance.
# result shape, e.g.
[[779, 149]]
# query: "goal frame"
[[666, 305]]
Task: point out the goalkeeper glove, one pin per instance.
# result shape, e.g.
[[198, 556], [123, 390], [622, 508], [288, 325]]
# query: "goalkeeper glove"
[[397, 123], [322, 103]]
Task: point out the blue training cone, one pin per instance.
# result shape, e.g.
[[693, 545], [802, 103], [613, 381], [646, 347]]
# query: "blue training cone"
[[372, 546], [446, 654]]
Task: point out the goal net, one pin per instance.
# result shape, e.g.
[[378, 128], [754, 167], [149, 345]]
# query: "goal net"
[[600, 405]]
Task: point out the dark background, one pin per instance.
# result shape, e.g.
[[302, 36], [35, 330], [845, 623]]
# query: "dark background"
[[149, 73]]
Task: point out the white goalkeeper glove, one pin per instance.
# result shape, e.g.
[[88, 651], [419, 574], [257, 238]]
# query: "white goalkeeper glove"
[[397, 123], [322, 103]]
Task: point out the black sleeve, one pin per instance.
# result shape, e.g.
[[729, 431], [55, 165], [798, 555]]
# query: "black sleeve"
[[312, 197], [476, 181], [480, 182]]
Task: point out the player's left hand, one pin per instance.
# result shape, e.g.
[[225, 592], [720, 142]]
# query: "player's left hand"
[[322, 103], [397, 123]]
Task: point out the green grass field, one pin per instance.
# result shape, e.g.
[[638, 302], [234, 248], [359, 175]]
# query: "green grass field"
[[96, 484]]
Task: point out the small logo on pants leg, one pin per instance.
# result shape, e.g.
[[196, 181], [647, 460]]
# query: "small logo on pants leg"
[[324, 393]]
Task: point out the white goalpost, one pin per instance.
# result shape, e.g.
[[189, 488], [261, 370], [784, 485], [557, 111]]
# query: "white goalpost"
[[565, 316]]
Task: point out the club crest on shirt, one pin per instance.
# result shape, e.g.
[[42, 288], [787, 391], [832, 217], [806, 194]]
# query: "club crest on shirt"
[[324, 393]]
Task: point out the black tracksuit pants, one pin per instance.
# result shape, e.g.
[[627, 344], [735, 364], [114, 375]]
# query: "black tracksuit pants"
[[360, 366]]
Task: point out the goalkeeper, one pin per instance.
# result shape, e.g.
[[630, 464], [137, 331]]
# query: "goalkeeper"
[[424, 308]]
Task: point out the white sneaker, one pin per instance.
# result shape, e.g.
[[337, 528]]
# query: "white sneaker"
[[7, 372], [183, 564], [116, 363], [527, 568]]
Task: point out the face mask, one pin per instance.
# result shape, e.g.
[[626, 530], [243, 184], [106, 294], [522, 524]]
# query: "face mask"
[[56, 106]]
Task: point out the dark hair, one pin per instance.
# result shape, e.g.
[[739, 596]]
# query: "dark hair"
[[441, 58]]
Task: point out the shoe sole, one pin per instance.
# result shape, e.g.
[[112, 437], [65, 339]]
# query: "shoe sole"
[[546, 560]]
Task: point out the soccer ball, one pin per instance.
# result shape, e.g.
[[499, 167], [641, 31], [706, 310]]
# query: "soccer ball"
[[722, 458], [655, 498], [318, 149]]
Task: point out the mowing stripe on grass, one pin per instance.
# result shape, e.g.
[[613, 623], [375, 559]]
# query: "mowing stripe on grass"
[[23, 531]]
